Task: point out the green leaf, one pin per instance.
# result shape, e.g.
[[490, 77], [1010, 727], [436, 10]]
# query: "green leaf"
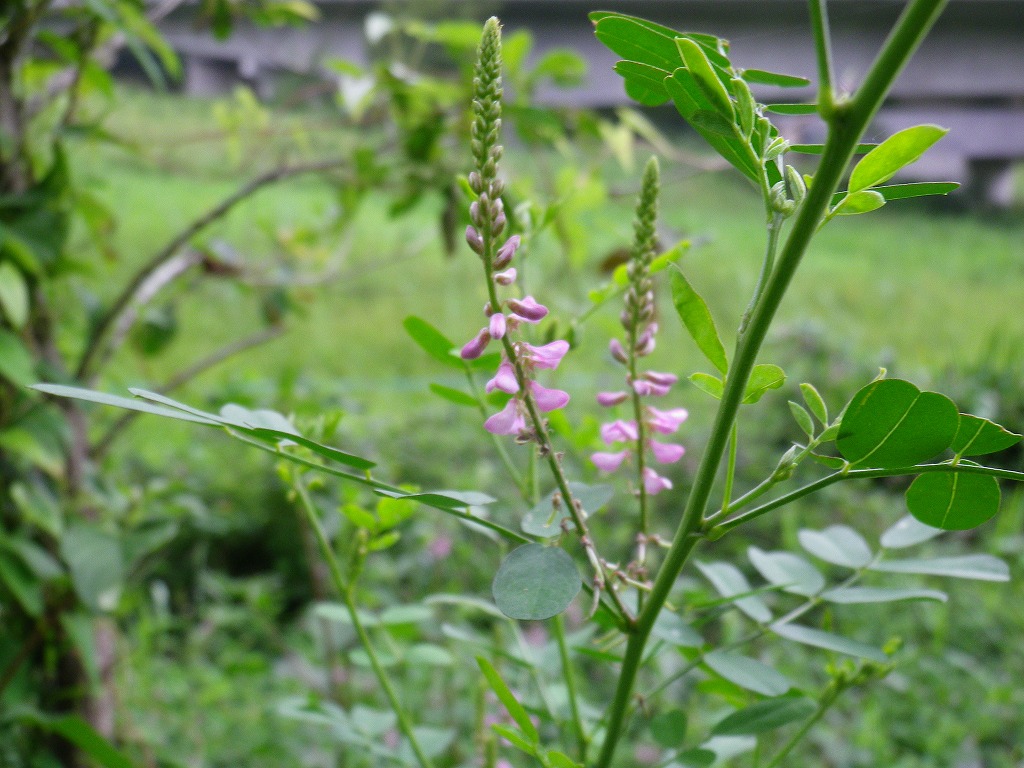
[[803, 418], [636, 40], [865, 201], [729, 581], [543, 520], [669, 728], [16, 363], [516, 738], [706, 77], [697, 319], [80, 733], [815, 402], [456, 396], [748, 673], [828, 641], [672, 628], [14, 293], [96, 563], [763, 378], [695, 758], [891, 423], [21, 583], [508, 699], [792, 109], [428, 655], [59, 390], [953, 501], [906, 191], [899, 150], [978, 567], [791, 572], [431, 341], [398, 615], [837, 544], [535, 582], [765, 716], [857, 595], [762, 77], [561, 760], [644, 83], [907, 532], [977, 436], [705, 382], [817, 149]]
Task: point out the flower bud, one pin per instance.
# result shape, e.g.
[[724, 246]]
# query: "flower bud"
[[476, 346], [475, 182], [615, 347], [504, 255], [528, 309], [497, 325], [474, 240], [505, 278], [795, 184]]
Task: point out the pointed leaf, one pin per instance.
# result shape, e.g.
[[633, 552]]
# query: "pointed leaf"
[[815, 402], [535, 582], [792, 109], [456, 396], [709, 384], [953, 501], [748, 673], [16, 363], [763, 378], [865, 201], [431, 341], [856, 595], [828, 641], [765, 716], [729, 581], [979, 567], [802, 418], [706, 77], [977, 436], [791, 572], [696, 316], [891, 423], [672, 628], [644, 83], [508, 699], [907, 532], [837, 544], [640, 41], [81, 734], [762, 77], [899, 150]]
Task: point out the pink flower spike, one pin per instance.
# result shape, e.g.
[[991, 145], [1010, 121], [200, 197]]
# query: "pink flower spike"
[[608, 462], [497, 325], [661, 379], [608, 399], [642, 387], [504, 255], [504, 379], [666, 422], [547, 356], [618, 431], [476, 346], [548, 399], [667, 453], [655, 483], [528, 309], [508, 421], [615, 347], [505, 278]]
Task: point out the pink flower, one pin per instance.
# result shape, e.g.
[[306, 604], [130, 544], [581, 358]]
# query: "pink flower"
[[608, 399], [476, 346], [608, 462], [666, 422], [505, 278], [508, 421], [528, 309], [655, 483], [497, 325], [618, 431], [547, 356], [474, 240], [504, 255], [548, 399], [661, 379], [615, 347], [504, 379], [643, 387], [667, 453]]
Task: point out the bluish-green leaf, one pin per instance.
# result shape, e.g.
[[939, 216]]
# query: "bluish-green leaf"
[[763, 378], [977, 436], [891, 423], [953, 501], [899, 150], [748, 673], [789, 571], [672, 628], [508, 699], [857, 595], [837, 544], [96, 563], [978, 567], [729, 581], [535, 582], [544, 520], [828, 641], [765, 716], [907, 532], [697, 319]]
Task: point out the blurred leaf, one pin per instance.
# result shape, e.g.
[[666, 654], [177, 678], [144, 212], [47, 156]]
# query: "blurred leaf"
[[979, 567], [856, 595], [791, 572], [837, 544], [899, 150], [431, 341], [828, 641], [891, 423], [672, 628], [792, 109], [397, 615], [80, 733], [508, 699], [561, 760], [697, 319], [695, 758], [427, 655], [535, 582], [516, 738], [907, 532], [456, 396], [761, 77], [13, 294], [21, 583], [748, 673], [763, 378], [96, 563], [566, 68], [954, 501], [544, 520], [729, 581], [669, 728], [16, 363], [765, 716], [977, 436]]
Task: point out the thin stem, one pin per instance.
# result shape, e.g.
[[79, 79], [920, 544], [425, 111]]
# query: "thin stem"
[[796, 738], [569, 677], [858, 474], [347, 593], [774, 229], [730, 468], [499, 445], [823, 52]]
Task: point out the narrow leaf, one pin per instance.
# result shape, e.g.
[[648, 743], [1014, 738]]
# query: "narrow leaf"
[[748, 673], [792, 109], [856, 595], [81, 734], [899, 150], [644, 83], [729, 581], [431, 341], [953, 501], [837, 544], [828, 641], [803, 418], [907, 532], [456, 396], [815, 402], [765, 716], [697, 319], [546, 521], [817, 149], [706, 77], [979, 567], [762, 77], [791, 572], [508, 699]]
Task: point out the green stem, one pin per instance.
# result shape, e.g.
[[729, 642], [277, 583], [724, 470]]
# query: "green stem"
[[347, 592], [796, 738], [499, 445], [569, 677], [858, 474], [823, 51], [774, 229], [730, 469], [846, 128]]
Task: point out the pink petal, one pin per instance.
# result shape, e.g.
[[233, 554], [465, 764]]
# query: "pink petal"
[[528, 309], [618, 431], [655, 483], [506, 252], [474, 240], [642, 387], [508, 421], [505, 278], [608, 462], [476, 346], [548, 399], [615, 347], [608, 399], [661, 379], [497, 325], [547, 356], [504, 379], [667, 453], [666, 422]]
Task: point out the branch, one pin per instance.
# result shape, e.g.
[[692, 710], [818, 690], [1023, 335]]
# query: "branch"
[[95, 356]]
